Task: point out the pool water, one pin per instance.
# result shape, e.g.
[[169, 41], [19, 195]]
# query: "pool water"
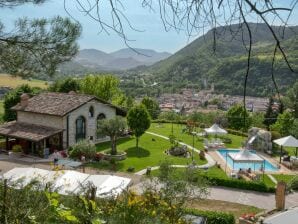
[[254, 166]]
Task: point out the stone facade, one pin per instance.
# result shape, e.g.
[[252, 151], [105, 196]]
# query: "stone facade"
[[91, 122], [69, 120]]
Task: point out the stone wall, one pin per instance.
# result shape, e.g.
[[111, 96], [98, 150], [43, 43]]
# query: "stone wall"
[[262, 141]]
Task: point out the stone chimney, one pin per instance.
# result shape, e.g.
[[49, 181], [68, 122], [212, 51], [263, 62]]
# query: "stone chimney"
[[24, 100]]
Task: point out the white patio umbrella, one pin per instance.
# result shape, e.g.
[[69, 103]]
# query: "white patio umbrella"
[[215, 129], [288, 141]]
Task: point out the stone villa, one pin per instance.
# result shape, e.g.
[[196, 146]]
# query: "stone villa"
[[55, 121]]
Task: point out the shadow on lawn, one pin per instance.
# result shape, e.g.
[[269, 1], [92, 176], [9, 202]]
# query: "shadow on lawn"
[[140, 152], [107, 145]]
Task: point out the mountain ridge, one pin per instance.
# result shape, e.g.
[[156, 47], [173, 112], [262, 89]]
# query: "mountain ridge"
[[198, 66], [123, 59]]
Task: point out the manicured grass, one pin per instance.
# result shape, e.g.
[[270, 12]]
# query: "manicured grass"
[[214, 205], [210, 172], [283, 177], [267, 181], [150, 153], [8, 80], [166, 130]]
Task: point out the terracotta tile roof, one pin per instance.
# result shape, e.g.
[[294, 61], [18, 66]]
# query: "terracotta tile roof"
[[27, 131], [58, 104]]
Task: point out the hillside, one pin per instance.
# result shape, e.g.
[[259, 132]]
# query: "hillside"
[[92, 60], [198, 66], [12, 82]]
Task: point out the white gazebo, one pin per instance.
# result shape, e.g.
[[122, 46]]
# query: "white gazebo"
[[288, 141], [245, 156], [215, 129]]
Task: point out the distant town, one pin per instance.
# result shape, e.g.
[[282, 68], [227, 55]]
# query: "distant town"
[[189, 101]]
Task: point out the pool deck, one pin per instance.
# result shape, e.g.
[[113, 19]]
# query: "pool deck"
[[221, 161]]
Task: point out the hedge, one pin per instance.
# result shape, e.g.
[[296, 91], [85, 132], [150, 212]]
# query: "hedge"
[[214, 217], [240, 184], [168, 121], [239, 133]]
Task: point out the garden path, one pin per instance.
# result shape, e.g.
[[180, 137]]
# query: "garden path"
[[210, 161]]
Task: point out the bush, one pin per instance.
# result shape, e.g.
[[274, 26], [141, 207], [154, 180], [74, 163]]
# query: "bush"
[[226, 140], [83, 148], [17, 148], [240, 184], [202, 155], [214, 217], [293, 184], [275, 135], [168, 121]]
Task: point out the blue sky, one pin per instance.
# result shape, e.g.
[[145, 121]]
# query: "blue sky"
[[153, 36]]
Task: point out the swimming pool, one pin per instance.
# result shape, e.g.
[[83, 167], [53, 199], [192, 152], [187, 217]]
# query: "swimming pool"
[[254, 166]]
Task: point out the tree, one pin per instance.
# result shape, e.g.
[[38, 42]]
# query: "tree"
[[257, 119], [291, 99], [294, 129], [138, 120], [36, 46], [13, 97], [271, 114], [152, 106], [113, 128], [236, 115], [65, 85], [283, 124], [103, 86]]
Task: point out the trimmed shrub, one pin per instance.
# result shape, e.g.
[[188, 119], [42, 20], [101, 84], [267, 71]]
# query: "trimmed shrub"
[[238, 133], [168, 121], [240, 184], [214, 217]]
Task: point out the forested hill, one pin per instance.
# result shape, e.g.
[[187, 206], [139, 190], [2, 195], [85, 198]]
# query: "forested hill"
[[198, 65]]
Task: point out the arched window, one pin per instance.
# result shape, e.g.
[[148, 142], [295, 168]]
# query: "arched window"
[[100, 116], [91, 111], [80, 128]]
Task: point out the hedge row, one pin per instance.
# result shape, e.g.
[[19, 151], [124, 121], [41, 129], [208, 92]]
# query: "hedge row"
[[241, 184], [168, 121], [239, 133], [214, 217]]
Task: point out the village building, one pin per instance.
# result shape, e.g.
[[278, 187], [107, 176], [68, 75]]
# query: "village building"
[[55, 121]]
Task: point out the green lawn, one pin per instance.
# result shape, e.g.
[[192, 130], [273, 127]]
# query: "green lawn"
[[166, 130], [1, 107], [283, 177], [150, 153]]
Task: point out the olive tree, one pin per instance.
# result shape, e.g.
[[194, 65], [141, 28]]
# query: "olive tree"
[[113, 128]]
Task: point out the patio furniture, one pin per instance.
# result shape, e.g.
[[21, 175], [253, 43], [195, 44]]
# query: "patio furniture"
[[288, 141]]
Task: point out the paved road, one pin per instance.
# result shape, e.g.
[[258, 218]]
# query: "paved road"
[[261, 200]]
